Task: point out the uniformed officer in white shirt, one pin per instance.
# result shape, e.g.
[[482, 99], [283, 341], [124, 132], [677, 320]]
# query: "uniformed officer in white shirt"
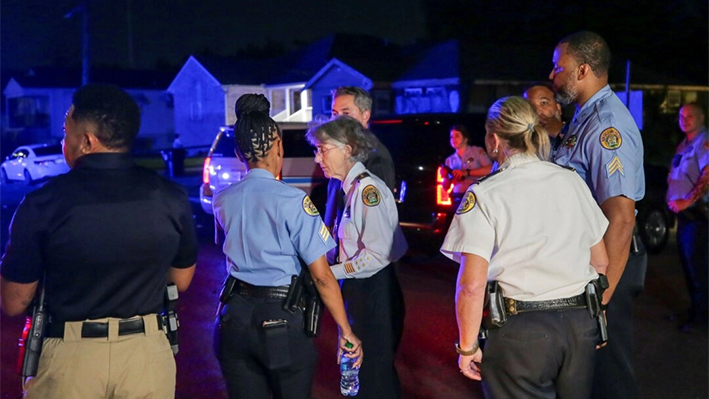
[[467, 163], [542, 257], [688, 196], [604, 146], [370, 240], [263, 350]]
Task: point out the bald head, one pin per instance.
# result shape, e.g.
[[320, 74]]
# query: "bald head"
[[691, 119]]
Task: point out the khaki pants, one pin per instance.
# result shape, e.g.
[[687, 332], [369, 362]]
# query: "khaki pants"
[[129, 366]]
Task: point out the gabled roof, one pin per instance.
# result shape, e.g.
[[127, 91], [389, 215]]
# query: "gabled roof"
[[337, 64], [232, 70], [53, 77]]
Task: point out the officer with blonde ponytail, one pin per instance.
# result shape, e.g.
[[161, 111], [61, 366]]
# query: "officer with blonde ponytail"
[[541, 258]]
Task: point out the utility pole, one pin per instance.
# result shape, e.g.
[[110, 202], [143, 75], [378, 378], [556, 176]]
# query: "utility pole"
[[83, 8], [131, 56]]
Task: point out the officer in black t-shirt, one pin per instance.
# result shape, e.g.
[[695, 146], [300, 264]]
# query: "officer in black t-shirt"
[[106, 238]]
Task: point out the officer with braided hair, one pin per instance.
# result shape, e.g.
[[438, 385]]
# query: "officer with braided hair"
[[262, 349]]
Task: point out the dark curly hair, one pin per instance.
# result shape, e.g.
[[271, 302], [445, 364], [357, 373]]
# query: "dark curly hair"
[[114, 112]]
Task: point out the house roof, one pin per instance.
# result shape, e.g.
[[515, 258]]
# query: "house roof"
[[232, 70], [46, 77]]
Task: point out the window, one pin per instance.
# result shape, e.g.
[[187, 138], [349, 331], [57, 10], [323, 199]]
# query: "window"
[[295, 101], [326, 102], [196, 111], [28, 112]]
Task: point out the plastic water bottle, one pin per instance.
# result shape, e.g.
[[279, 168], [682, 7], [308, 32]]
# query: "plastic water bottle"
[[349, 381]]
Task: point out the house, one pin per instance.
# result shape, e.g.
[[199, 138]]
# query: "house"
[[298, 84], [37, 99]]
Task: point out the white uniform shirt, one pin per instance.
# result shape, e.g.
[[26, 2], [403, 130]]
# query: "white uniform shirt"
[[369, 232], [473, 158], [535, 223]]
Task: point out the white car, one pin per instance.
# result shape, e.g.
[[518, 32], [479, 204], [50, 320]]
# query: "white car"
[[34, 162]]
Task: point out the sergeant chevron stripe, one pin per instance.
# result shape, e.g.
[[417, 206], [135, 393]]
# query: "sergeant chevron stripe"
[[615, 166]]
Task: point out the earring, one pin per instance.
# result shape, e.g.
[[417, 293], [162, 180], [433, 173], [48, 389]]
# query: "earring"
[[494, 151]]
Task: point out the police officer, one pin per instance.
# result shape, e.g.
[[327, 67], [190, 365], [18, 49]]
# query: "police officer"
[[687, 195], [370, 241], [357, 103], [107, 236], [467, 163], [604, 146], [263, 350], [542, 258]]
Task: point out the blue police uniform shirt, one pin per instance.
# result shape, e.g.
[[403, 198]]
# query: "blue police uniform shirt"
[[687, 165], [268, 224], [604, 145]]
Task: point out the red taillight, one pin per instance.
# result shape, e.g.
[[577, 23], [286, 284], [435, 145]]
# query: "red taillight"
[[205, 170], [442, 195]]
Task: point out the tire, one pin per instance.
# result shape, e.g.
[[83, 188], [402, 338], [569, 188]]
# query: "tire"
[[654, 230], [28, 177]]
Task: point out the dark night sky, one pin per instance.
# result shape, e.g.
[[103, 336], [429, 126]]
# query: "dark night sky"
[[669, 37]]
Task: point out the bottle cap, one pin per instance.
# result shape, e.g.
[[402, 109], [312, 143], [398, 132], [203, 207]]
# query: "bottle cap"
[[349, 345]]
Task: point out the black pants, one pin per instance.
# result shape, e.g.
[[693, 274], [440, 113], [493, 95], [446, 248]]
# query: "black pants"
[[692, 242], [255, 362], [375, 309], [614, 376], [543, 354]]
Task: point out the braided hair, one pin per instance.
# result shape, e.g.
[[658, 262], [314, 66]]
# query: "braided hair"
[[514, 120], [254, 130]]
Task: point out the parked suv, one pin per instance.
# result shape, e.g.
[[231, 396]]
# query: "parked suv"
[[222, 168], [419, 145]]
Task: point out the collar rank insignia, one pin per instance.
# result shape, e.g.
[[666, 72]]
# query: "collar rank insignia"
[[571, 141], [614, 166], [467, 204], [371, 196], [610, 139], [309, 207]]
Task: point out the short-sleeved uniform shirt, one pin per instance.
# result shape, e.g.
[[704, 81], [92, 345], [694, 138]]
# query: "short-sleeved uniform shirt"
[[268, 225], [106, 234], [687, 165], [604, 146], [369, 232], [536, 250], [473, 158]]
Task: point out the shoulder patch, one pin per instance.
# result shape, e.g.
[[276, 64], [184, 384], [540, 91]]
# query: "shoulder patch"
[[611, 139], [309, 207], [467, 204], [371, 196], [483, 178]]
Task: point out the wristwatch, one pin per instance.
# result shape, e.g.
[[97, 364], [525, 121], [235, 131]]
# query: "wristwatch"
[[470, 352]]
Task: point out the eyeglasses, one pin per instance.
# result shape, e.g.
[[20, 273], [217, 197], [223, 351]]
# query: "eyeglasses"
[[322, 150]]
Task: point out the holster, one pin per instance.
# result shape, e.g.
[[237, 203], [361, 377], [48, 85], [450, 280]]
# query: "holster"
[[226, 293], [169, 320], [33, 337], [494, 313], [304, 295], [594, 298]]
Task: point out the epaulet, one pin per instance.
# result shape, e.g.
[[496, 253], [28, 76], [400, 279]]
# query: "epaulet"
[[483, 178], [362, 176]]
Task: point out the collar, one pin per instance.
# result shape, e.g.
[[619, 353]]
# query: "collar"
[[105, 160], [702, 132], [259, 173], [519, 159], [587, 108], [351, 176]]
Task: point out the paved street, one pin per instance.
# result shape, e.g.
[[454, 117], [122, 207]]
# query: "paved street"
[[670, 364]]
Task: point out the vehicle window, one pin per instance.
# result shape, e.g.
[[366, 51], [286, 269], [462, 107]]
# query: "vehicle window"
[[295, 145], [225, 145], [48, 150]]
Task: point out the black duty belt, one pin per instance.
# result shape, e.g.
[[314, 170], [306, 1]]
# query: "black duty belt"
[[91, 329], [575, 302], [256, 291]]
